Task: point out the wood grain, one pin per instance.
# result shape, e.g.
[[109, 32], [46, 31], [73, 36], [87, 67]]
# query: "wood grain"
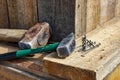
[[11, 35], [22, 13], [97, 63], [117, 9], [115, 75], [4, 22], [80, 17], [93, 14], [9, 73], [111, 9], [107, 10]]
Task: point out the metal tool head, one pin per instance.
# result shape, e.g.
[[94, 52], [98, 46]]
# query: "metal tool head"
[[66, 46], [38, 35]]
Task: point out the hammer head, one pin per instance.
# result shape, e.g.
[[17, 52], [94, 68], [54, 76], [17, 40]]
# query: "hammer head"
[[66, 46], [38, 35]]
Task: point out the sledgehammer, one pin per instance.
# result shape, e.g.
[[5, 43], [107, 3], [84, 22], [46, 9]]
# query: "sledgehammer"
[[63, 48], [37, 35]]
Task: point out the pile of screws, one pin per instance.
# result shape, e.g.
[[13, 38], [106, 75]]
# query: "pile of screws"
[[88, 44]]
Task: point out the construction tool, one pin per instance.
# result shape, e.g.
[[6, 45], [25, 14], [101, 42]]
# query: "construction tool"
[[67, 44], [38, 35], [11, 35]]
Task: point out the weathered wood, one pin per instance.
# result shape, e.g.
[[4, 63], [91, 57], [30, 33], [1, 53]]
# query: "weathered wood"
[[93, 14], [117, 9], [4, 22], [115, 75], [97, 63], [107, 10], [64, 16], [80, 17], [22, 13], [9, 73], [11, 35]]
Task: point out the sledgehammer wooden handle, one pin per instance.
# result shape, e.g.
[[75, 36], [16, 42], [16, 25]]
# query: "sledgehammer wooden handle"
[[11, 35]]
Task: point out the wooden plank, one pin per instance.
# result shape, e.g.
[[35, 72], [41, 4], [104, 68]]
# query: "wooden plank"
[[80, 17], [117, 10], [103, 11], [111, 9], [9, 73], [93, 14], [11, 35], [63, 15], [30, 12], [115, 75], [4, 22], [97, 63], [107, 10], [22, 13]]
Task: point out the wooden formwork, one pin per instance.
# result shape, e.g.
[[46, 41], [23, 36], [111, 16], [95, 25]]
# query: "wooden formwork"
[[78, 16]]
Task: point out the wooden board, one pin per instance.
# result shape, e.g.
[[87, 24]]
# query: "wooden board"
[[80, 17], [93, 14], [9, 73], [4, 22], [117, 9], [11, 35], [115, 75], [64, 16], [111, 9], [97, 63], [107, 10], [22, 13]]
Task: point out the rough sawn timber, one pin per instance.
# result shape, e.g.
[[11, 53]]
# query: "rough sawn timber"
[[97, 63], [93, 14], [11, 35], [107, 10], [4, 22], [117, 9], [22, 13], [115, 75]]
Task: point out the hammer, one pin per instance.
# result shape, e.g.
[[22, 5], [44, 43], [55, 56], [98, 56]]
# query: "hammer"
[[63, 48], [37, 35]]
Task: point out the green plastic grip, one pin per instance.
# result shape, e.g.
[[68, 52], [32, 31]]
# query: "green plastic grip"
[[47, 48]]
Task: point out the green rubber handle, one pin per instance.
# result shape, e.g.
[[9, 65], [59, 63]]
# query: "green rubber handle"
[[47, 48]]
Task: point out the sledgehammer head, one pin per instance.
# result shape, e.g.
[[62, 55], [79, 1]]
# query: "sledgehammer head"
[[66, 46], [38, 35]]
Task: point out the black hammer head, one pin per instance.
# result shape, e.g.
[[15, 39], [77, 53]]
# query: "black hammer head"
[[66, 46]]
